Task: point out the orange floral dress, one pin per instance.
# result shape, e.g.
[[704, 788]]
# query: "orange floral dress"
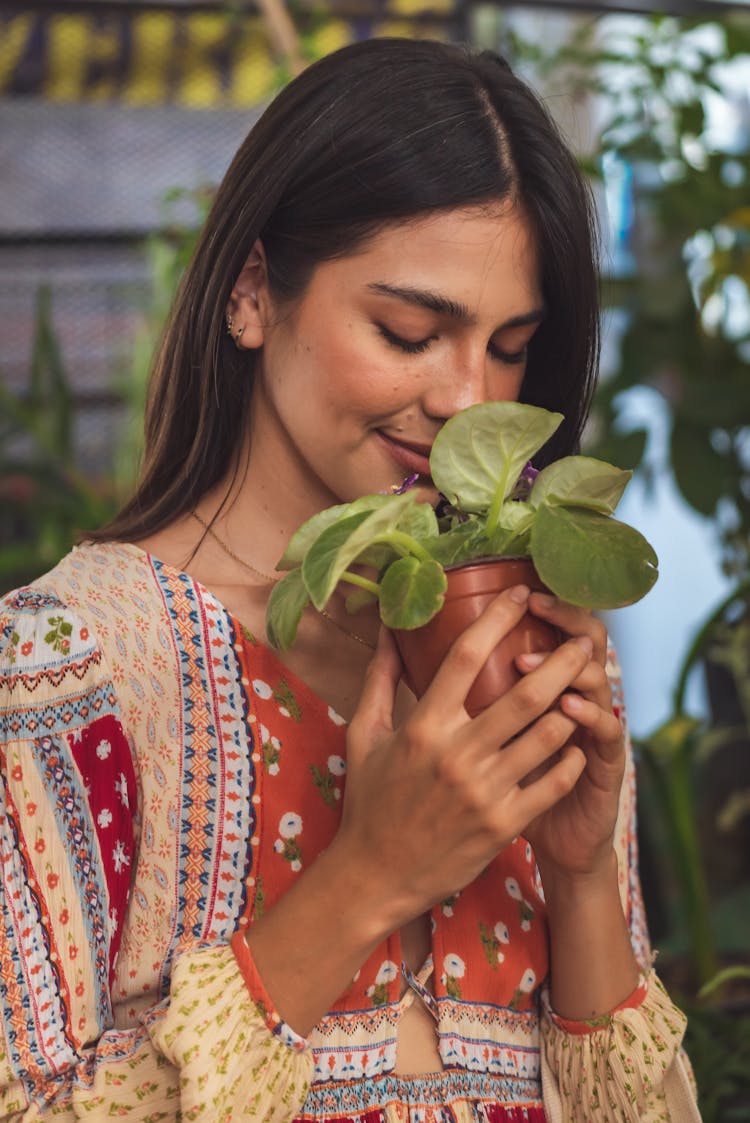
[[165, 779]]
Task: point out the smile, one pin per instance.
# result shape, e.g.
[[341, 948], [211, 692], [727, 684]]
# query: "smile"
[[414, 457]]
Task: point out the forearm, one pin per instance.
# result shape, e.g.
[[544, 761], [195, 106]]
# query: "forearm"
[[310, 945], [592, 965]]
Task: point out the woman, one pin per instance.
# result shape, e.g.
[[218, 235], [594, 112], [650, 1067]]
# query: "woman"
[[203, 921]]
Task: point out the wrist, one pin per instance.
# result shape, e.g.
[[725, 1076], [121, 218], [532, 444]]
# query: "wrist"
[[359, 893], [574, 886]]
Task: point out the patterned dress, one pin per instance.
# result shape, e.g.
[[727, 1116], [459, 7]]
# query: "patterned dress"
[[164, 779]]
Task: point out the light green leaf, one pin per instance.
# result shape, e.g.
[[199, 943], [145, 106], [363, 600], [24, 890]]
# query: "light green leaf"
[[418, 520], [287, 602], [580, 481], [412, 592], [341, 544], [590, 559], [511, 535], [480, 452], [456, 545], [305, 535]]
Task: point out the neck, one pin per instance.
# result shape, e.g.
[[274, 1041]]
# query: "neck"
[[266, 499]]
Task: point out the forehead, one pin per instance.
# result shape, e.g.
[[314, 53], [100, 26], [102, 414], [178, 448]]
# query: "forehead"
[[472, 255]]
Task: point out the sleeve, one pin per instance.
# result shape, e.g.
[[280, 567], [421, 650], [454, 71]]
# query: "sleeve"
[[627, 1065], [212, 1049]]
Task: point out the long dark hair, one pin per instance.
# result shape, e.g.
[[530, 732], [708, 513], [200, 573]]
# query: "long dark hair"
[[377, 132]]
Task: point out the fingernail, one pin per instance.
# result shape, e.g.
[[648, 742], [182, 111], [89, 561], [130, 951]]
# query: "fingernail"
[[519, 594], [544, 600], [531, 659], [572, 702], [586, 643]]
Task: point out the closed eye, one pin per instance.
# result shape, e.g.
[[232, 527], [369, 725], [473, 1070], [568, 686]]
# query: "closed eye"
[[417, 346], [510, 357], [411, 346]]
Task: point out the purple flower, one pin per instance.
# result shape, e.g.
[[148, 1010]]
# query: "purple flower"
[[525, 481], [407, 483]]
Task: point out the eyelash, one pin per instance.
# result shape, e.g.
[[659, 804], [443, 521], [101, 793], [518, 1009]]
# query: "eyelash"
[[418, 346]]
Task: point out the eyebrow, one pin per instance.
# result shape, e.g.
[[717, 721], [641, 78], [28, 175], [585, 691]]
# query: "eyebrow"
[[436, 302]]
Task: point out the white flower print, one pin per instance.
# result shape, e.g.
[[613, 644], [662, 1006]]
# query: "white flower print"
[[290, 825], [271, 751], [528, 979], [261, 688], [528, 852], [104, 818], [386, 972], [502, 933], [119, 857], [512, 888], [335, 718], [336, 765], [295, 865], [103, 749], [121, 787], [454, 966]]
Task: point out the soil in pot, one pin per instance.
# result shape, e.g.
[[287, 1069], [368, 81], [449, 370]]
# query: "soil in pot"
[[470, 589]]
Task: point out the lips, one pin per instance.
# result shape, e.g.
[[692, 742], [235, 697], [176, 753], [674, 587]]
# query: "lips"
[[412, 455]]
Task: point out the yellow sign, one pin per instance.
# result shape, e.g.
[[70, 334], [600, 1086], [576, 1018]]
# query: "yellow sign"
[[197, 59]]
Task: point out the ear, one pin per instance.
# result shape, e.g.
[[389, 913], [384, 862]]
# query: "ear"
[[248, 306]]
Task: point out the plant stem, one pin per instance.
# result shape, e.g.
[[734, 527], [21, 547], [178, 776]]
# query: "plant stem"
[[496, 506], [404, 544], [363, 582]]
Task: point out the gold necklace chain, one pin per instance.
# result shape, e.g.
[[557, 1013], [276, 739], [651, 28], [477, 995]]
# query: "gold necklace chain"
[[274, 580]]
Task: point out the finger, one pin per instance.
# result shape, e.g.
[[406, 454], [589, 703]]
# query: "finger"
[[376, 702], [470, 651], [603, 725], [592, 681], [571, 619], [535, 747], [534, 694], [557, 782]]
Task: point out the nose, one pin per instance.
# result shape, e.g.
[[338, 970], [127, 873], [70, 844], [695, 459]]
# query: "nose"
[[464, 382]]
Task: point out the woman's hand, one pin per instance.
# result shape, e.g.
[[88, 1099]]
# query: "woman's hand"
[[430, 803], [574, 837]]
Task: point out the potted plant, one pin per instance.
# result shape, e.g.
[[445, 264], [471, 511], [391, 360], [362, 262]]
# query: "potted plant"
[[553, 528]]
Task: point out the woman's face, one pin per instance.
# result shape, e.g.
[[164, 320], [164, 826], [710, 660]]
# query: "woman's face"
[[355, 380]]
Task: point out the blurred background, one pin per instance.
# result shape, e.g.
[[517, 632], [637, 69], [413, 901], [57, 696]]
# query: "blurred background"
[[117, 120]]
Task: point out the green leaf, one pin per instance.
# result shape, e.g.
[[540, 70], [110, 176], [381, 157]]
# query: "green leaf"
[[700, 472], [305, 535], [419, 520], [511, 535], [457, 544], [580, 481], [287, 602], [412, 592], [591, 560], [481, 451], [341, 544]]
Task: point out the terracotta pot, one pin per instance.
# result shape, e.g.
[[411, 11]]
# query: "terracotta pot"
[[470, 589]]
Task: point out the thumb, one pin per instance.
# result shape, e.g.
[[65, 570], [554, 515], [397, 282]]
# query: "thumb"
[[374, 712]]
